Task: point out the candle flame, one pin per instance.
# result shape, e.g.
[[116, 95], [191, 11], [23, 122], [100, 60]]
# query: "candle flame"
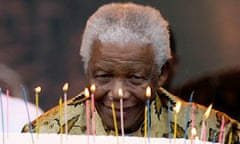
[[120, 92], [193, 132], [148, 92], [207, 113], [86, 92], [38, 89], [177, 107], [65, 87], [92, 88]]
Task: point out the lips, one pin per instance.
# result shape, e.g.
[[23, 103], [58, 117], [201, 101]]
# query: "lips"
[[127, 109]]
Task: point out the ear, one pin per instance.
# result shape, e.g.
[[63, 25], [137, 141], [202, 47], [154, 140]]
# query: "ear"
[[162, 77]]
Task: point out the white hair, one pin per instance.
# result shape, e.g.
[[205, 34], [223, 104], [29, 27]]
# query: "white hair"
[[121, 23]]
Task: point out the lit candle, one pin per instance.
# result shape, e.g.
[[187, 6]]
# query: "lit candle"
[[86, 93], [37, 91], [204, 126], [148, 95], [193, 134], [176, 110], [221, 130], [65, 89], [92, 89], [187, 115], [120, 94]]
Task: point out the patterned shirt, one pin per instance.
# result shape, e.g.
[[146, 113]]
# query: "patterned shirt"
[[162, 120]]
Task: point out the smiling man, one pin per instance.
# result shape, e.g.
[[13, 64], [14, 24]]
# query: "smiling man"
[[126, 46]]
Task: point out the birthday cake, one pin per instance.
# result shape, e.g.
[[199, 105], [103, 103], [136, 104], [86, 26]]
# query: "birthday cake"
[[28, 138]]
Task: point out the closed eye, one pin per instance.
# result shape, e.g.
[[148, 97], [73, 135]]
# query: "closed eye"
[[103, 77], [136, 79]]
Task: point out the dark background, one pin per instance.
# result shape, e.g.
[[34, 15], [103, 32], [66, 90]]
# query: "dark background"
[[40, 39]]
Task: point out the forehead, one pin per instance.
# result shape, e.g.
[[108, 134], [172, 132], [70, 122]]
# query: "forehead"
[[128, 54]]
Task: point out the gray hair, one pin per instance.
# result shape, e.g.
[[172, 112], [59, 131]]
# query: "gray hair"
[[121, 23]]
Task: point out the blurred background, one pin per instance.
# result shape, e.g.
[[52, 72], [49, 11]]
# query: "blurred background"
[[40, 40]]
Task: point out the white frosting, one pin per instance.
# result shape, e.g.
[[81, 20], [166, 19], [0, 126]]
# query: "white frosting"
[[27, 138]]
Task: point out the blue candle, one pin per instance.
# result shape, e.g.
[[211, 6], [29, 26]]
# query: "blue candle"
[[187, 115], [28, 115], [214, 137], [1, 99], [148, 95], [169, 120], [149, 119]]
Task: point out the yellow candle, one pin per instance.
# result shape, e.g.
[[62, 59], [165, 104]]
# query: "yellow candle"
[[60, 119], [114, 119], [176, 109], [145, 121], [230, 138], [37, 91], [60, 115]]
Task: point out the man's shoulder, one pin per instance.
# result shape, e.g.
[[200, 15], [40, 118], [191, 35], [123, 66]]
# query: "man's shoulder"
[[54, 116]]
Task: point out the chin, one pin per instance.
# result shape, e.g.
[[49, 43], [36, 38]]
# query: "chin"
[[133, 117]]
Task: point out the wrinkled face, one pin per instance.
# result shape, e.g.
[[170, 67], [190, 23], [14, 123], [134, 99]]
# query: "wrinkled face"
[[130, 68]]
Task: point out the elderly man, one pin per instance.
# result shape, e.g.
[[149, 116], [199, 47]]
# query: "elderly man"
[[126, 46]]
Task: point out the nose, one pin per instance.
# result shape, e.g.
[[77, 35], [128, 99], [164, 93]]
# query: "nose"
[[116, 86]]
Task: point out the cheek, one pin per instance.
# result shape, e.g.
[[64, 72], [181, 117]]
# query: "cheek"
[[140, 94], [99, 94]]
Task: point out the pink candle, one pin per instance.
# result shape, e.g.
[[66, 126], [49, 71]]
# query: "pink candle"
[[86, 91], [221, 130], [120, 93], [65, 89], [92, 89], [203, 131], [204, 126], [7, 94]]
